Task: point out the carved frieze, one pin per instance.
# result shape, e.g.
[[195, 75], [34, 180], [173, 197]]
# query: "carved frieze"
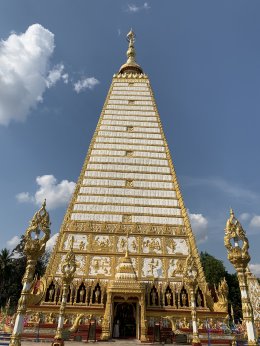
[[176, 267], [80, 242], [152, 245], [100, 265], [177, 246], [132, 244], [102, 243], [152, 267]]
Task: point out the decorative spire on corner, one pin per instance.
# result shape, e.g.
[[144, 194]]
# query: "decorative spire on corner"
[[131, 65]]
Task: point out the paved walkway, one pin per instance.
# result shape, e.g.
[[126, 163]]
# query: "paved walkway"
[[106, 343]]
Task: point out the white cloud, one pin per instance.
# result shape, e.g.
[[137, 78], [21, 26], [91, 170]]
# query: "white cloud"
[[255, 269], [24, 197], [24, 65], [85, 83], [244, 217], [55, 75], [65, 78], [51, 242], [255, 221], [134, 8], [199, 226], [56, 194], [11, 244]]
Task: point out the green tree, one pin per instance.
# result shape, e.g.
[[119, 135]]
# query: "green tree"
[[6, 274], [234, 295], [12, 268], [214, 269]]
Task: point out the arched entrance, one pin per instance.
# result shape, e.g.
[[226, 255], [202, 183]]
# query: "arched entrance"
[[124, 324]]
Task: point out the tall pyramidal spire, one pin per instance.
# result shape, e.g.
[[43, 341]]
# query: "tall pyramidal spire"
[[127, 200]]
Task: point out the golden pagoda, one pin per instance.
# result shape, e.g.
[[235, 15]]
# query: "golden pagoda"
[[132, 233]]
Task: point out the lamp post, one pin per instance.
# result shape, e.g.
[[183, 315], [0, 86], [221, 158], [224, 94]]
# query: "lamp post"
[[34, 248], [68, 268], [237, 245], [190, 277]]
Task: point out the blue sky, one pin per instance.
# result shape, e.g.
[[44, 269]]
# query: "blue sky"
[[203, 60]]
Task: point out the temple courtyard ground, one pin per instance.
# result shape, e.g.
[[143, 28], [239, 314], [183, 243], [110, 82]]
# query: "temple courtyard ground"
[[110, 343]]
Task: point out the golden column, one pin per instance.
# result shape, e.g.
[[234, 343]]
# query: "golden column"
[[143, 336], [34, 248], [237, 245], [190, 277], [106, 323], [68, 268]]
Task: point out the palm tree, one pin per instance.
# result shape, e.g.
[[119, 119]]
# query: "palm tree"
[[6, 273]]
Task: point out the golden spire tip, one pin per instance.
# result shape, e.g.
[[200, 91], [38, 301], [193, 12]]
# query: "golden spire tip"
[[131, 65]]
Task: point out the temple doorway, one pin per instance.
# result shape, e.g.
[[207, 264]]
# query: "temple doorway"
[[124, 324]]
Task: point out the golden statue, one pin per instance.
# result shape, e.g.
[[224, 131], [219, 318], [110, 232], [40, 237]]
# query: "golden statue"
[[97, 295], [184, 298], [199, 300], [185, 323], [51, 293], [50, 319], [222, 293], [168, 297], [81, 294]]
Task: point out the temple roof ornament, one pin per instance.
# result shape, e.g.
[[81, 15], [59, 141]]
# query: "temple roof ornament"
[[125, 269], [131, 65], [236, 242]]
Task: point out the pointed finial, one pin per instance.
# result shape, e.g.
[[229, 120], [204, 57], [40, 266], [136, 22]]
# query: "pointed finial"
[[131, 65], [127, 237], [231, 212], [131, 48]]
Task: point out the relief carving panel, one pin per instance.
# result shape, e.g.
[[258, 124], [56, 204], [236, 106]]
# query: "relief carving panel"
[[100, 265], [152, 267], [80, 241], [152, 245]]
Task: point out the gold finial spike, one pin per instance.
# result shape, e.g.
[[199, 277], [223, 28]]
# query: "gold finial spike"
[[131, 48], [231, 212], [131, 65]]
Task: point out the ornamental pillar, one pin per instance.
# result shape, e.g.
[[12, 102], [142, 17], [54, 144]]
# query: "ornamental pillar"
[[237, 246], [190, 277], [68, 268], [34, 248], [106, 324], [143, 336]]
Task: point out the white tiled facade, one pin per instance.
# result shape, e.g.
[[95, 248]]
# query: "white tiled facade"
[[128, 171]]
